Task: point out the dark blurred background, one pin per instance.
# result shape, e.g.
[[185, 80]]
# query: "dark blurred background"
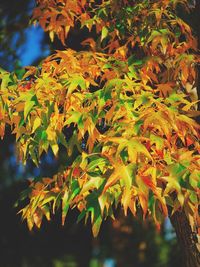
[[125, 242]]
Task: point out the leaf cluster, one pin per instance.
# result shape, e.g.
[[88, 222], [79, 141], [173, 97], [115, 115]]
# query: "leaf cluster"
[[126, 105]]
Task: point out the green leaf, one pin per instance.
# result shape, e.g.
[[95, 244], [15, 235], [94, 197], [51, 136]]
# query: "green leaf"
[[92, 183], [61, 138], [81, 216], [104, 33], [27, 108], [99, 162], [94, 207], [96, 224], [74, 83], [157, 140], [74, 118], [65, 205], [44, 135]]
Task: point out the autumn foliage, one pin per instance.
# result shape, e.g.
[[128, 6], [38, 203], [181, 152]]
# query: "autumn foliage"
[[125, 104]]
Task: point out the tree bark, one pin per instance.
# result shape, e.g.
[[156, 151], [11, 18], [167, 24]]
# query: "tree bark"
[[187, 239]]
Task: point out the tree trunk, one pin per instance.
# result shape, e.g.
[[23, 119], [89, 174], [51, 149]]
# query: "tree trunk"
[[187, 240]]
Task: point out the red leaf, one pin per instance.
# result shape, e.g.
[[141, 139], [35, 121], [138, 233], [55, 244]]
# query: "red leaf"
[[160, 153], [147, 180], [189, 141], [148, 145], [76, 172]]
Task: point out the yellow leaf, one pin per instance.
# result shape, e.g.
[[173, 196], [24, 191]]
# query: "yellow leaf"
[[104, 33], [51, 133], [123, 173], [55, 149], [51, 35], [143, 198], [126, 199], [37, 122]]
